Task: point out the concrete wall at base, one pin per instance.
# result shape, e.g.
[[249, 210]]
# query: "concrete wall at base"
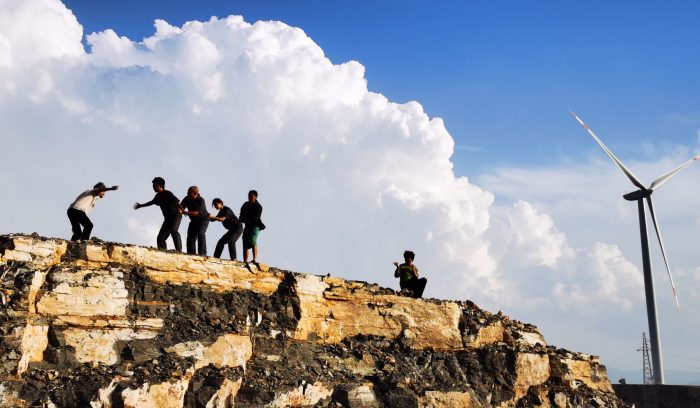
[[659, 396]]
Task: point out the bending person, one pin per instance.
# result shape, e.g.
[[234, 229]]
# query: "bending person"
[[251, 211], [81, 207], [196, 209], [233, 226], [172, 214], [407, 273]]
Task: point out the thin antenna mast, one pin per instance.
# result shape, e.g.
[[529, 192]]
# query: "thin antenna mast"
[[646, 364]]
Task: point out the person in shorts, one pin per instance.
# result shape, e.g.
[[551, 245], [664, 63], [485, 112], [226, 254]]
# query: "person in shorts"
[[250, 214]]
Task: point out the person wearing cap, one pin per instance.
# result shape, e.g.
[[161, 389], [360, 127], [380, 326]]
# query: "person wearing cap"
[[233, 226], [81, 207], [407, 273], [172, 214], [250, 214], [196, 208]]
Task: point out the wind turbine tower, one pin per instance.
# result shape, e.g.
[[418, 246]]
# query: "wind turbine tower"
[[641, 195]]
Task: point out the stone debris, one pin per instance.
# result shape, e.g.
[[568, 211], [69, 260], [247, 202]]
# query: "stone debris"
[[100, 324]]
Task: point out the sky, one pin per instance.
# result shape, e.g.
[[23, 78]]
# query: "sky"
[[373, 128]]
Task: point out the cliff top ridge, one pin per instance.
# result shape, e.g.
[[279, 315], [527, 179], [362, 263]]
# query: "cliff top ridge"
[[106, 324]]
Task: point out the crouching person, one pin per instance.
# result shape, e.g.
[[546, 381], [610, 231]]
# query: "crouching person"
[[408, 276], [232, 224], [81, 207]]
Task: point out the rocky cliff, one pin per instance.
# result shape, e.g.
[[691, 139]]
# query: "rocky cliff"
[[111, 325]]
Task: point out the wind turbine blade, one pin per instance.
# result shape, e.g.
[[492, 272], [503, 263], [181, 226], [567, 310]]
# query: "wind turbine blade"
[[663, 251], [614, 158], [661, 180]]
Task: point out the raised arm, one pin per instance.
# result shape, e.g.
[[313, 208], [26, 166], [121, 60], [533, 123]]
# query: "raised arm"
[[137, 205], [103, 189]]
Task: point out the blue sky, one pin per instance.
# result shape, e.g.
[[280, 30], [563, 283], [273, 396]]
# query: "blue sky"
[[538, 228], [502, 74]]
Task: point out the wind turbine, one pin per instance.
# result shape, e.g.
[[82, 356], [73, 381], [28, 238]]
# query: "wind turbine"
[[639, 196]]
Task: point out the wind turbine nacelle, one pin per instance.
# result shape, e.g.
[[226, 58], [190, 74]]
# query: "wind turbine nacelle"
[[638, 195]]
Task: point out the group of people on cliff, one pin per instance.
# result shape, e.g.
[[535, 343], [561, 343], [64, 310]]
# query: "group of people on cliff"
[[193, 206]]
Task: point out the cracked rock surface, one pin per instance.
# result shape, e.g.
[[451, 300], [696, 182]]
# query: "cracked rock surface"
[[91, 324]]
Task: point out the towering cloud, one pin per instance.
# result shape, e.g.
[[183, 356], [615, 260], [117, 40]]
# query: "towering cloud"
[[33, 31], [348, 179]]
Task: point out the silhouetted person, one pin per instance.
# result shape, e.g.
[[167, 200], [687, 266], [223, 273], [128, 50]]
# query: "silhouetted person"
[[172, 214], [250, 214], [408, 275], [81, 207], [232, 224], [196, 209]]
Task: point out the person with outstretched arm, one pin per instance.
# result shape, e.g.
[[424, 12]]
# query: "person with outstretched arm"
[[81, 207], [407, 273], [234, 229], [250, 214], [196, 208], [172, 214]]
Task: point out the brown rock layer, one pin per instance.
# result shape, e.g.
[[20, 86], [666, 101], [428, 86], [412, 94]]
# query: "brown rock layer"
[[110, 325]]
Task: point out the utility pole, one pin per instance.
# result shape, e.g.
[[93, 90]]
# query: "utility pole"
[[646, 365]]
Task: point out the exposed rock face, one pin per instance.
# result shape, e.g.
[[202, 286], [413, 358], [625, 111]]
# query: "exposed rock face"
[[110, 325]]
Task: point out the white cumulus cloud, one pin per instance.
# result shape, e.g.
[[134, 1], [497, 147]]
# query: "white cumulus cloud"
[[230, 106], [24, 41]]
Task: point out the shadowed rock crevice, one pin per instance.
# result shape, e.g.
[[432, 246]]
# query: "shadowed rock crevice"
[[68, 388], [190, 312], [205, 385], [15, 280]]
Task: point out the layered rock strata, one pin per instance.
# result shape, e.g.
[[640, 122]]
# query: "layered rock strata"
[[111, 325]]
